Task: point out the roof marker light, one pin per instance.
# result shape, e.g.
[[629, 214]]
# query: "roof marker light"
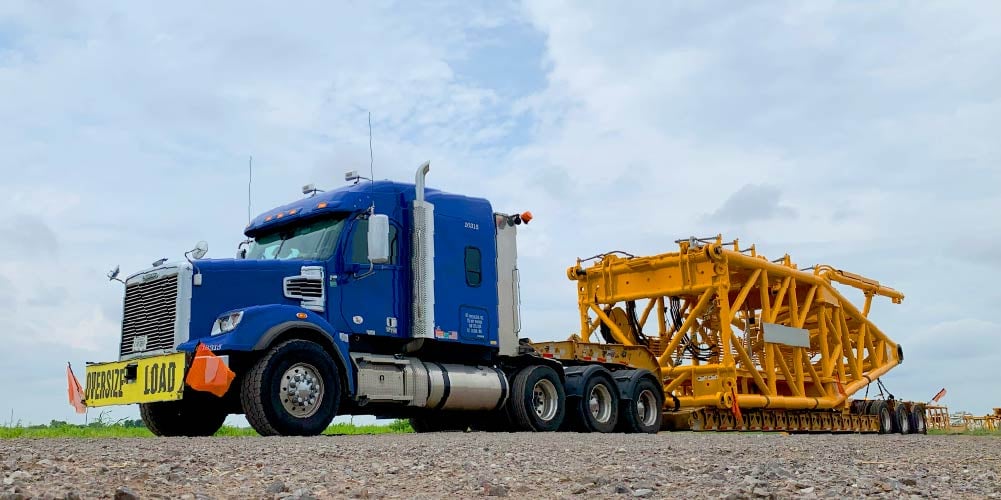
[[280, 215], [322, 204], [267, 218], [293, 211]]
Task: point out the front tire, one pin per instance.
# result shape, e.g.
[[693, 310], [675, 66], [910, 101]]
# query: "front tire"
[[294, 390], [538, 400], [191, 416]]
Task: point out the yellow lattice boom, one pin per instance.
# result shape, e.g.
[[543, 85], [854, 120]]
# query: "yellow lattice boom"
[[725, 324]]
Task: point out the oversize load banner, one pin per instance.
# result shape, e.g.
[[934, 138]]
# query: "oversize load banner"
[[158, 378]]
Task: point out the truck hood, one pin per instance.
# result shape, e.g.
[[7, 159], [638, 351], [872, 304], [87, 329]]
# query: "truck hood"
[[231, 284]]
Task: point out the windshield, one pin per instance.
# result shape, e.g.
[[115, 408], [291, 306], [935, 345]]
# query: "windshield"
[[313, 241]]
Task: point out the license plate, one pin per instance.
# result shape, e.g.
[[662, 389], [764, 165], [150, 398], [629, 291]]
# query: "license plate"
[[157, 378], [139, 343]]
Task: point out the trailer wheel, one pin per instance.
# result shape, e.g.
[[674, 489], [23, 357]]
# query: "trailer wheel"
[[597, 410], [185, 417], [902, 419], [644, 411], [882, 412], [918, 423], [538, 399], [294, 390]]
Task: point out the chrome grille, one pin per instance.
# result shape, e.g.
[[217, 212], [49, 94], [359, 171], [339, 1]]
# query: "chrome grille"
[[150, 310]]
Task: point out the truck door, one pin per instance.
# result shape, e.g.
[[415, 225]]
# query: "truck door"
[[371, 295]]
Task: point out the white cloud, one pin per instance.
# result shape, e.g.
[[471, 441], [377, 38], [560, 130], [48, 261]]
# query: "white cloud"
[[750, 203]]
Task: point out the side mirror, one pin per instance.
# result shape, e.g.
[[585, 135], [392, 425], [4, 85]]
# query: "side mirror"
[[241, 253], [378, 238], [201, 248]]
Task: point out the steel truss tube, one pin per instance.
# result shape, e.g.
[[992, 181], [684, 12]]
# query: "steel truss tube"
[[845, 347]]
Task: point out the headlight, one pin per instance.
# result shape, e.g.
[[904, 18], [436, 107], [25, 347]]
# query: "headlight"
[[226, 323]]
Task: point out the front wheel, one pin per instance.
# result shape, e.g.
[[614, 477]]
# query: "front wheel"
[[294, 390], [191, 416], [538, 399]]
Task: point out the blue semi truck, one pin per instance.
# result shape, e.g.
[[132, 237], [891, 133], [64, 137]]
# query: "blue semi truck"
[[377, 298]]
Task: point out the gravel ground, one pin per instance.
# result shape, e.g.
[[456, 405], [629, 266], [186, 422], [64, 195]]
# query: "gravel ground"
[[680, 465]]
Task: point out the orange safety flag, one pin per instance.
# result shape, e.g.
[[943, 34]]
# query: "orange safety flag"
[[736, 408], [74, 391], [209, 373], [939, 395]]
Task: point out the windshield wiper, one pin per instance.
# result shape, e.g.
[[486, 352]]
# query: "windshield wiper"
[[280, 245]]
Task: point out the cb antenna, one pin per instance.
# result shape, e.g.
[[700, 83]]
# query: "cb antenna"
[[371, 158], [250, 180]]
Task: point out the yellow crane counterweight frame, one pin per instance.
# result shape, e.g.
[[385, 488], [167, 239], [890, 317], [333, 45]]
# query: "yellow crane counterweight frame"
[[728, 327]]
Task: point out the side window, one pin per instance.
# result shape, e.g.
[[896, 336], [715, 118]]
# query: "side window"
[[474, 269], [359, 243]]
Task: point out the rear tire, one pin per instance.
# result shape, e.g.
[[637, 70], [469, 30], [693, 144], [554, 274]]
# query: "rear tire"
[[294, 390], [902, 420], [191, 416], [538, 400], [882, 412], [644, 412], [597, 410], [919, 424]]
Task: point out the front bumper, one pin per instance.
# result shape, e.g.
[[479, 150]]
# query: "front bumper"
[[141, 380]]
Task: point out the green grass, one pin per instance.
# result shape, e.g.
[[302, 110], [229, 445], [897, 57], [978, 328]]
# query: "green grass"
[[975, 432], [134, 428]]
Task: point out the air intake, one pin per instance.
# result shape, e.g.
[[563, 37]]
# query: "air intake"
[[307, 287]]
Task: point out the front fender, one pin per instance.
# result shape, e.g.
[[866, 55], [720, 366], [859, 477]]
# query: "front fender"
[[261, 326], [260, 321]]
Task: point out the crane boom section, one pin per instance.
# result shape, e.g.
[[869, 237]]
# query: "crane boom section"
[[731, 327]]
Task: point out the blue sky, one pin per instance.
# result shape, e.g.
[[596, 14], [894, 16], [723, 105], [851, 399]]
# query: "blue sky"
[[862, 135]]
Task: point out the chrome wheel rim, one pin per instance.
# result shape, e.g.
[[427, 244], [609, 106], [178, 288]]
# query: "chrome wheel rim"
[[600, 404], [544, 399], [301, 390], [646, 407]]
